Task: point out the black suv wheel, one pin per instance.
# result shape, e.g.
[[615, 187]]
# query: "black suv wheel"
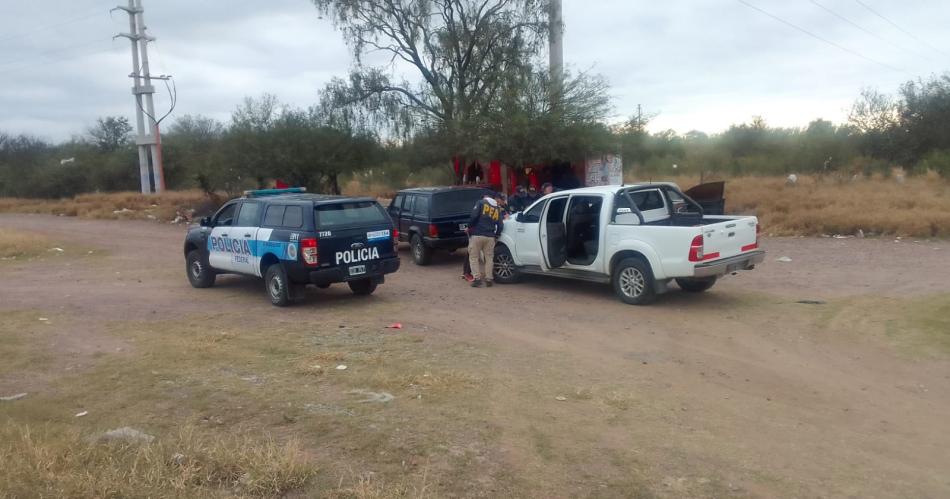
[[421, 254]]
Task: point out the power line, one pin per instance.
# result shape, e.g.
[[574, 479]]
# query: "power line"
[[862, 28], [821, 38], [54, 51], [902, 30], [89, 14], [58, 59]]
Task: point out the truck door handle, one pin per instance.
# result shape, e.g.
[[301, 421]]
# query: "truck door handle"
[[224, 235], [247, 235]]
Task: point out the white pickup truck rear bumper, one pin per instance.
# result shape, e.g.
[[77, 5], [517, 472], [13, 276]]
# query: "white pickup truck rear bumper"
[[745, 261]]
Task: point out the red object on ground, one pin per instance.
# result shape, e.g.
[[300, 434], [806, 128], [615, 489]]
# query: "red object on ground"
[[395, 325]]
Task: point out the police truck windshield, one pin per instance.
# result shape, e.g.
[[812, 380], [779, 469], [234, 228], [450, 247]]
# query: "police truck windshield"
[[350, 214]]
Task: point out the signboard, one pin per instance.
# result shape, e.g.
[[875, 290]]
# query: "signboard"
[[604, 170]]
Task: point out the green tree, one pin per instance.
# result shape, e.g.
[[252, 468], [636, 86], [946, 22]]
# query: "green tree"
[[111, 133], [925, 117], [462, 52]]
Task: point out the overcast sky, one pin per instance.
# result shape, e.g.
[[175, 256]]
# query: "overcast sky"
[[697, 64]]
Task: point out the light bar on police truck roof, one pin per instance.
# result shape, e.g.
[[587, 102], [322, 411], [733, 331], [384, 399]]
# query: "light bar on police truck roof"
[[273, 192]]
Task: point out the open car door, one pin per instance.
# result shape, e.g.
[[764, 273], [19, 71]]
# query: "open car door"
[[554, 233], [710, 197]]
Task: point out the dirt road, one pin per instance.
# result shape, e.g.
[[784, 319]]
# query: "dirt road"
[[741, 391]]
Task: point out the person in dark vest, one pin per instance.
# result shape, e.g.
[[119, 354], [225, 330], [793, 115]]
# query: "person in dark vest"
[[484, 227]]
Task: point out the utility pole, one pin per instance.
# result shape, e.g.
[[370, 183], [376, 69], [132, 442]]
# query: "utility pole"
[[148, 140], [555, 50], [556, 42]]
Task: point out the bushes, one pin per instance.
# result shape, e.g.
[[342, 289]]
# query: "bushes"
[[936, 161]]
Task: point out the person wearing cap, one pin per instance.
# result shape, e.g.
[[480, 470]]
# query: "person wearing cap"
[[519, 202], [505, 211], [533, 194], [483, 228]]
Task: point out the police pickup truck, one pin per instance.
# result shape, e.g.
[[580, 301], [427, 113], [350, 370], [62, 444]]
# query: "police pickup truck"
[[638, 238], [292, 239]]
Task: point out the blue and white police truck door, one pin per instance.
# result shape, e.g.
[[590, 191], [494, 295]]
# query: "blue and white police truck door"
[[221, 238], [244, 233]]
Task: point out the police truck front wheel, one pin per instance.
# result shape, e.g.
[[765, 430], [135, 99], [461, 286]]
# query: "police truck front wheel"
[[199, 272], [363, 287], [277, 285]]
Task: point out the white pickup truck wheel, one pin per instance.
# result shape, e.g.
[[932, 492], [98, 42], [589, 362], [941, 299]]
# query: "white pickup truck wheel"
[[633, 282], [696, 284], [504, 266]]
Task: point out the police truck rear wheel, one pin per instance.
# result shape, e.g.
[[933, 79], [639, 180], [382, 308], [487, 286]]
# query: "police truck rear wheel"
[[363, 287], [421, 254], [277, 285], [199, 272]]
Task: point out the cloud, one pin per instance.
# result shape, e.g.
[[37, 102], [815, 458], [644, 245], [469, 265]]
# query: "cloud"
[[701, 64]]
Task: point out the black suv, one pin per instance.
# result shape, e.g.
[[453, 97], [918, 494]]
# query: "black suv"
[[434, 218], [292, 239]]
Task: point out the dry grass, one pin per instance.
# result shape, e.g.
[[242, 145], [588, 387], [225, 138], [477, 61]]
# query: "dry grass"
[[377, 190], [918, 207], [120, 205], [18, 244], [61, 462]]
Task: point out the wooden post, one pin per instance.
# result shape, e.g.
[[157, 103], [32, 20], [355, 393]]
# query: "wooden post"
[[505, 188]]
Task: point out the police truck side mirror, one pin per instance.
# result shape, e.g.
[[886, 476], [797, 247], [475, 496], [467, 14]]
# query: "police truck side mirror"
[[205, 222]]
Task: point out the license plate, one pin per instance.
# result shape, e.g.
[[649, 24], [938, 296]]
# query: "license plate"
[[358, 270], [463, 227]]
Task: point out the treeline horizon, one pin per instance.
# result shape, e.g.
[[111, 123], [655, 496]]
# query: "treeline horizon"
[[313, 147]]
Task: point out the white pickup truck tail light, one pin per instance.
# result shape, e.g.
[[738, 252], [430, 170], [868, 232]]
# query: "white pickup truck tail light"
[[309, 251], [696, 253], [696, 249]]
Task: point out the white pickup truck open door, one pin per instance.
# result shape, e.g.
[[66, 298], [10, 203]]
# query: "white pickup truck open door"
[[554, 232]]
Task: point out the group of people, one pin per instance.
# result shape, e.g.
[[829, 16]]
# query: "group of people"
[[525, 197], [484, 227]]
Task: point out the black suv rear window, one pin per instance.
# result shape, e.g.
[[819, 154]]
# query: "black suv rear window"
[[455, 202], [350, 214]]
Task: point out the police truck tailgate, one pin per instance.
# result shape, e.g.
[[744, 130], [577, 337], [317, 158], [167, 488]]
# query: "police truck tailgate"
[[353, 236]]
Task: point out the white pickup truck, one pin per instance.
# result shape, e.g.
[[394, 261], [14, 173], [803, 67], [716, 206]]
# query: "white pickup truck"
[[636, 237]]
